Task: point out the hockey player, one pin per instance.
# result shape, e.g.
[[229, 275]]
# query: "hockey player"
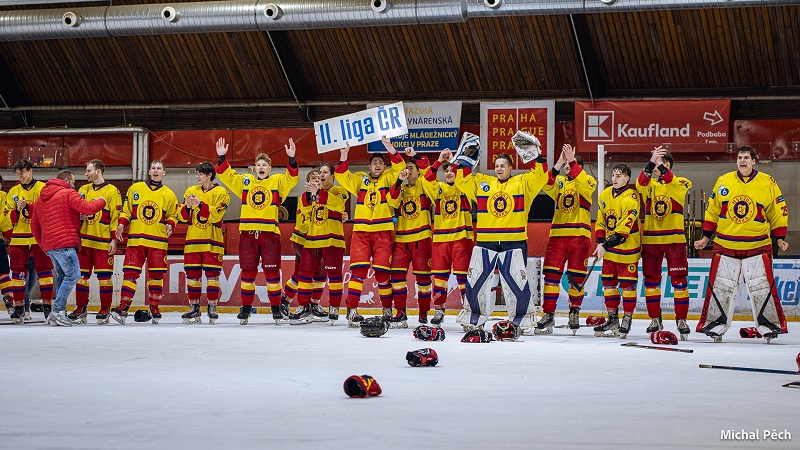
[[203, 207], [323, 250], [744, 209], [5, 269], [663, 236], [570, 238], [412, 244], [373, 225], [260, 237], [453, 238], [618, 245], [22, 244], [98, 243], [503, 203], [149, 211], [298, 239]]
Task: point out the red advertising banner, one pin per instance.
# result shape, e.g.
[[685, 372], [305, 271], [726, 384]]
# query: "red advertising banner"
[[687, 125], [500, 121]]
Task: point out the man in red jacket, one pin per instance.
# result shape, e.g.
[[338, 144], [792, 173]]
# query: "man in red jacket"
[[56, 224]]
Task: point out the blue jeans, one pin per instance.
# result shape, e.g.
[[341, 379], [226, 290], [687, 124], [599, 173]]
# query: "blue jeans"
[[68, 272]]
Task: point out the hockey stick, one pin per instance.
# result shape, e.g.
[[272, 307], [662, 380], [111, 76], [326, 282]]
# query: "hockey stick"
[[750, 369], [793, 384], [23, 323], [653, 347], [578, 287]]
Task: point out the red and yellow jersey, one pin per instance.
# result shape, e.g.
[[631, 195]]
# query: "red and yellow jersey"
[[664, 200], [452, 219], [744, 212], [147, 211], [373, 200], [618, 213], [573, 199], [100, 228], [205, 221], [302, 222], [260, 198], [21, 220], [326, 213], [5, 222], [502, 205], [413, 213]]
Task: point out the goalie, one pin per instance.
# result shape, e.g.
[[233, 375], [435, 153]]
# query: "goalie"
[[502, 234], [745, 207]]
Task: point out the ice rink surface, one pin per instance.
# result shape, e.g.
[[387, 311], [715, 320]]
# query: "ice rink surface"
[[265, 386]]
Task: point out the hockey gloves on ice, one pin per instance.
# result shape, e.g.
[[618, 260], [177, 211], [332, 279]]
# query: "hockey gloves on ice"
[[595, 320], [374, 327], [663, 337], [477, 336], [142, 315], [505, 330], [360, 386], [749, 332], [423, 357], [426, 333]]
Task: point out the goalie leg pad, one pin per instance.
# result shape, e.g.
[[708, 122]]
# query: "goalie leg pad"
[[478, 302], [719, 302], [521, 310], [767, 310]]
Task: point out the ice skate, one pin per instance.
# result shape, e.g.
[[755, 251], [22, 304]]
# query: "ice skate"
[[423, 317], [46, 309], [120, 313], [625, 326], [102, 316], [438, 317], [611, 325], [211, 310], [333, 314], [354, 319], [59, 319], [545, 325], [318, 313], [78, 315], [655, 325], [400, 320], [284, 307], [194, 315], [683, 329], [244, 314], [301, 315], [713, 335], [770, 336], [574, 320], [27, 317], [387, 314], [717, 338], [277, 315], [18, 314], [9, 304], [155, 313]]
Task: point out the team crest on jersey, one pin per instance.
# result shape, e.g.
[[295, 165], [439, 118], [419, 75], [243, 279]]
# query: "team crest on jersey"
[[111, 262], [723, 191], [611, 220], [199, 222], [484, 187], [318, 215], [25, 215], [450, 207], [372, 199], [258, 198], [93, 219], [410, 209], [501, 204], [662, 206], [741, 209], [568, 202], [149, 212]]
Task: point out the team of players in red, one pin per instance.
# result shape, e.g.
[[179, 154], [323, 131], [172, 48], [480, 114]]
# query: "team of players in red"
[[432, 231]]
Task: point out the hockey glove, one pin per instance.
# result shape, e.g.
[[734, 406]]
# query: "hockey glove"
[[374, 327], [426, 333], [505, 330], [749, 332], [477, 336], [142, 315], [595, 320], [469, 151], [360, 386], [663, 337], [424, 357], [798, 362]]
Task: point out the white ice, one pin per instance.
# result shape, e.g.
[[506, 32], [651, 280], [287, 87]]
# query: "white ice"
[[265, 386]]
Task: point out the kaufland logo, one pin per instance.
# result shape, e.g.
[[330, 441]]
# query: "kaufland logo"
[[598, 126]]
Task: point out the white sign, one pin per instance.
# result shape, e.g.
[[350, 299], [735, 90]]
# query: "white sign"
[[432, 127], [361, 128]]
